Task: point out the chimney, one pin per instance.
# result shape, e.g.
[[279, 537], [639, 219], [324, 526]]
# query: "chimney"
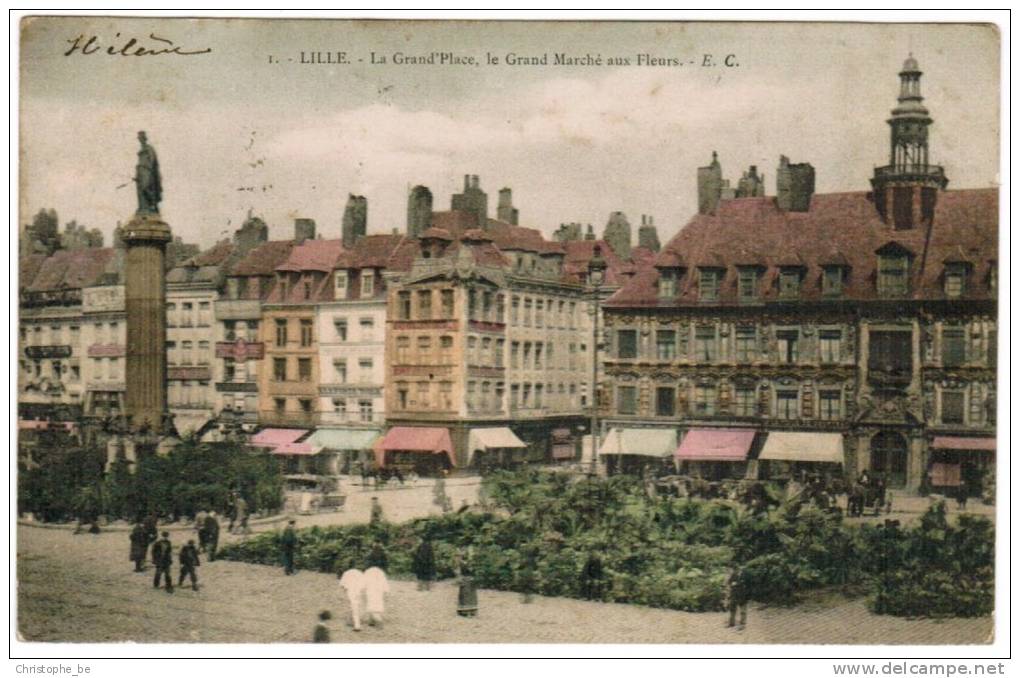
[[506, 211], [710, 185], [590, 233], [419, 211], [355, 222], [304, 229], [617, 234], [795, 184], [648, 235], [467, 182], [474, 181], [473, 200]]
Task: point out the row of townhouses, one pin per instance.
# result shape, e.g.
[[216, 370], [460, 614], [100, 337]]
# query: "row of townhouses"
[[843, 332]]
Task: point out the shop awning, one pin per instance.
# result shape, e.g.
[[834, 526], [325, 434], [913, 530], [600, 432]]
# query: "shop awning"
[[962, 443], [493, 438], [645, 442], [423, 439], [803, 446], [343, 439], [272, 437], [715, 444], [297, 449], [190, 423]]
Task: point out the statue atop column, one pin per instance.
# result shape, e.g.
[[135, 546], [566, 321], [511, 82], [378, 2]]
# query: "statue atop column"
[[148, 182]]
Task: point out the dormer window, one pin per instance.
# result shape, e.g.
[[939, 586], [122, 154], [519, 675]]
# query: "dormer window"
[[993, 279], [667, 283], [341, 284], [789, 282], [367, 283], [709, 280], [955, 280], [832, 281], [747, 283], [892, 275]]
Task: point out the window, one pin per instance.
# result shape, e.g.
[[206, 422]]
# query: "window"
[[341, 329], [230, 330], [747, 284], [954, 346], [252, 333], [526, 396], [402, 395], [486, 351], [306, 332], [364, 370], [786, 405], [403, 349], [665, 401], [367, 329], [186, 356], [340, 369], [280, 405], [229, 369], [75, 335], [203, 314], [993, 348], [304, 368], [892, 275], [171, 352], [526, 356], [890, 352], [445, 348], [471, 403], [665, 344], [667, 284], [955, 280], [171, 314], [538, 394], [472, 350], [708, 284], [704, 400], [830, 345], [425, 350], [339, 406], [114, 369], [341, 285], [306, 405], [626, 344], [446, 394], [203, 353], [75, 372], [497, 403], [829, 405], [952, 407], [786, 341], [978, 408], [186, 313], [472, 304], [744, 401], [626, 399], [404, 305], [424, 304], [279, 369], [307, 290], [538, 355], [515, 347], [527, 312], [497, 356], [515, 395], [487, 307], [365, 410], [746, 343], [446, 298], [281, 332], [486, 387], [367, 283], [573, 314], [789, 283], [539, 313], [515, 310], [832, 281], [704, 343], [500, 308]]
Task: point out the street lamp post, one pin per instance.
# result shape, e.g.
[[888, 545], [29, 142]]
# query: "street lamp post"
[[596, 276]]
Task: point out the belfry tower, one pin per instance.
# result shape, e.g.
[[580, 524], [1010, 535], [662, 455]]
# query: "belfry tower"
[[906, 189]]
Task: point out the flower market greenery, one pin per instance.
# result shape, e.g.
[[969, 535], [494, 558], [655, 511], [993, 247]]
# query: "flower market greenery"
[[535, 532], [66, 481]]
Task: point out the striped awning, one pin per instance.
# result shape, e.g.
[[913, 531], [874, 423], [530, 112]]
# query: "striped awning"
[[803, 446], [715, 444], [963, 443], [645, 442]]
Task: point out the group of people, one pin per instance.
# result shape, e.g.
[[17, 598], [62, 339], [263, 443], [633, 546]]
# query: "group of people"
[[144, 535], [867, 491]]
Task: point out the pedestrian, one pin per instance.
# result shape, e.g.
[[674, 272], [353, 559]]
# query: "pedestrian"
[[467, 591], [353, 583], [189, 561], [200, 529], [376, 588], [162, 558], [377, 556], [139, 545], [231, 510], [241, 508], [736, 593], [151, 532], [321, 633], [212, 535], [961, 495], [377, 512], [591, 577], [424, 564], [288, 542]]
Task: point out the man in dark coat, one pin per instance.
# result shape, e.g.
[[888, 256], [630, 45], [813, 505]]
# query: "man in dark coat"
[[288, 542], [424, 564], [737, 596], [139, 544], [377, 557], [211, 530], [163, 558], [591, 578], [189, 561]]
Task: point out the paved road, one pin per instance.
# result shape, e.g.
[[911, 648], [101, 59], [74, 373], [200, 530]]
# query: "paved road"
[[81, 588]]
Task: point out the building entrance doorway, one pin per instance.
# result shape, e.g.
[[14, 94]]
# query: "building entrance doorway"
[[889, 457]]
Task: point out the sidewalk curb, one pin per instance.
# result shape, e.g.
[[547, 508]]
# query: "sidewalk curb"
[[176, 527]]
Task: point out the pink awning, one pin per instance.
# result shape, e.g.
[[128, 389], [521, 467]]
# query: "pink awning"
[[415, 439], [961, 443], [715, 444], [272, 437], [301, 449]]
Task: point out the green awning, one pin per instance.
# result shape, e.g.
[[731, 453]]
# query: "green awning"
[[343, 439]]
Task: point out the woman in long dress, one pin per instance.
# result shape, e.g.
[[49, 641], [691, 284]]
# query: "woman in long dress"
[[376, 588], [353, 583], [467, 591], [424, 564]]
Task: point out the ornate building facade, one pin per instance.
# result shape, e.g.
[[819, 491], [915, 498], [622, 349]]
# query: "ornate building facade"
[[867, 319]]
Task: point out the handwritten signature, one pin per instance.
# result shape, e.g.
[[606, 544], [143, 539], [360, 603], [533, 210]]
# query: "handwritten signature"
[[130, 47]]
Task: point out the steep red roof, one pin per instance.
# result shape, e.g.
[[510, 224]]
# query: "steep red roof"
[[214, 256], [838, 226], [313, 255], [454, 222], [263, 259], [580, 252], [371, 251], [72, 269], [510, 237], [28, 268]]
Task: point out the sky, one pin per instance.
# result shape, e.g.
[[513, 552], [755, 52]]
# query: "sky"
[[237, 131]]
